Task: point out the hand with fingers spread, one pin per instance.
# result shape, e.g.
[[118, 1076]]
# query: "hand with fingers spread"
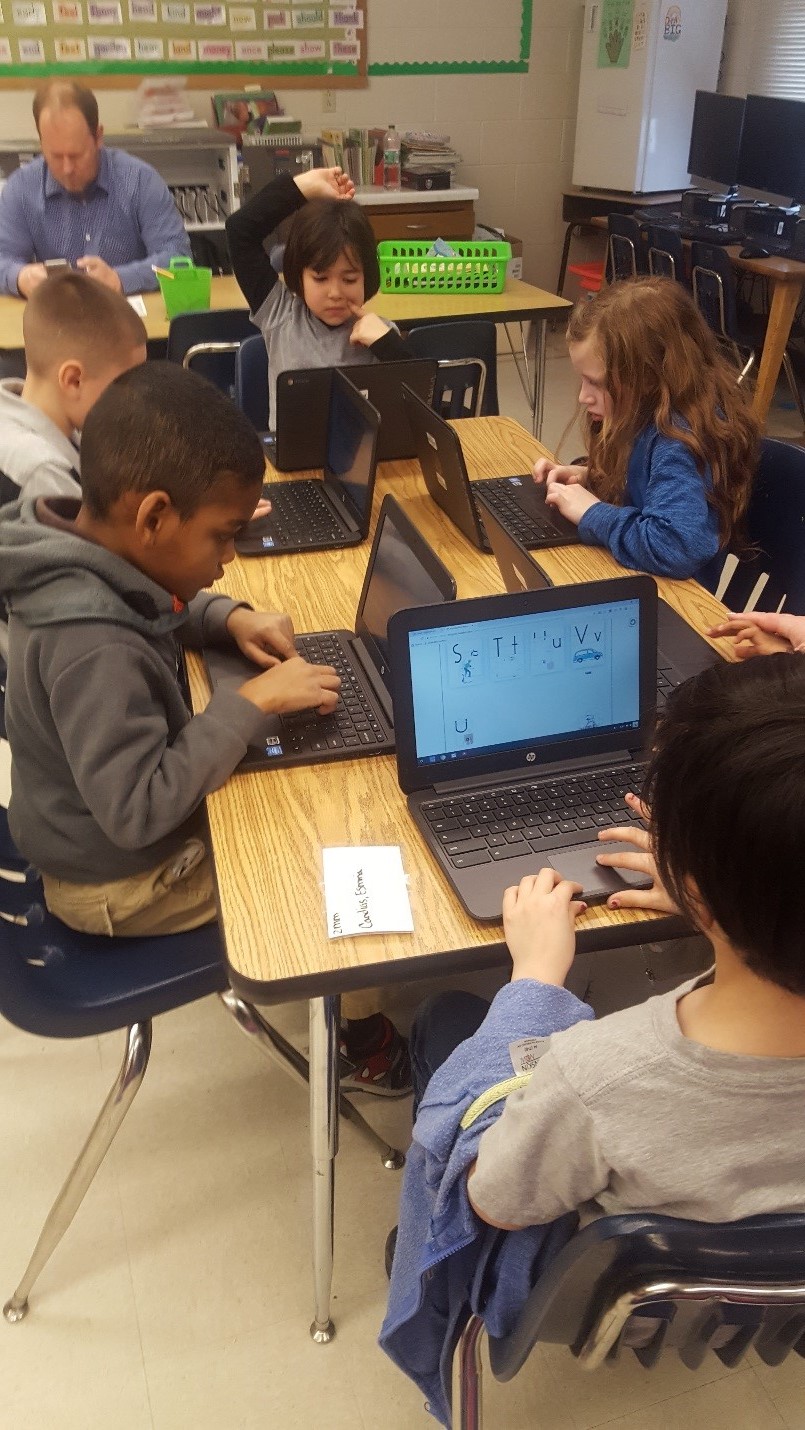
[[293, 685], [368, 327], [762, 633], [325, 184], [547, 470], [539, 915], [641, 861], [569, 498]]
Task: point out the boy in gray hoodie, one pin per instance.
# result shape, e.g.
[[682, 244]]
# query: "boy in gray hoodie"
[[109, 768]]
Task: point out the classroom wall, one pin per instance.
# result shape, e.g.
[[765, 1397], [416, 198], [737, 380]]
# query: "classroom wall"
[[514, 132], [743, 18]]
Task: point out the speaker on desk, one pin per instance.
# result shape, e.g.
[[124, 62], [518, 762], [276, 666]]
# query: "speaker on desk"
[[703, 207], [770, 221]]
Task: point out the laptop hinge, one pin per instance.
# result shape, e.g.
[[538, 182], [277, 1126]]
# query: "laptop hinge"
[[340, 506], [379, 689], [556, 767]]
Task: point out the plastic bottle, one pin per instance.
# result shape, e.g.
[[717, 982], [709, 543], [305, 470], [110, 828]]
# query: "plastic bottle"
[[391, 159]]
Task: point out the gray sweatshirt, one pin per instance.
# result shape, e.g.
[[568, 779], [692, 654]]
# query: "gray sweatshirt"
[[34, 454], [108, 766]]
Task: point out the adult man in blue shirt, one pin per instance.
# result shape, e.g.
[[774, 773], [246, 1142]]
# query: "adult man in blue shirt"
[[101, 209]]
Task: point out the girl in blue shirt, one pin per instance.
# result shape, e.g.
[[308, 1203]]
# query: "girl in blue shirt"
[[672, 440]]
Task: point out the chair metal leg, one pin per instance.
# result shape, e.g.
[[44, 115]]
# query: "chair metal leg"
[[538, 407], [286, 1056], [468, 1377], [796, 391], [117, 1104], [324, 1022]]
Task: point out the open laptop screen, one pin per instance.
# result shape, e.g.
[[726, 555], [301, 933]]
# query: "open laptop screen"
[[495, 685], [351, 443]]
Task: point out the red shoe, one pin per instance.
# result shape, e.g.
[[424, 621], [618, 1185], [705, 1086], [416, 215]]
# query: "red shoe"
[[384, 1072]]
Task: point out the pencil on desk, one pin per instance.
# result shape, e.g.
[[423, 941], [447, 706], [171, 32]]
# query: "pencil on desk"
[[162, 272]]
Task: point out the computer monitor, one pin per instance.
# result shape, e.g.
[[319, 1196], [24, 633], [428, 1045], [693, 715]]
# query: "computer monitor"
[[715, 137], [772, 154]]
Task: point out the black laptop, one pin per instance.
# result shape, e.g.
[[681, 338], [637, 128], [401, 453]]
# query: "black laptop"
[[518, 501], [402, 571], [521, 722], [312, 514], [681, 652], [302, 399]]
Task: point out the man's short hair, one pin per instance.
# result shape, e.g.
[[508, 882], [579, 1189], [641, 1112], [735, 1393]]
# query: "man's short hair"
[[74, 316], [66, 94], [323, 230], [727, 792], [159, 427]]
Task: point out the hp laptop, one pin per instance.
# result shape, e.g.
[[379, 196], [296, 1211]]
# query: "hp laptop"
[[301, 409], [521, 722], [680, 651], [518, 501], [312, 514], [402, 571]]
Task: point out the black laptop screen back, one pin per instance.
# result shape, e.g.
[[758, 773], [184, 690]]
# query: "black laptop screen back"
[[351, 447]]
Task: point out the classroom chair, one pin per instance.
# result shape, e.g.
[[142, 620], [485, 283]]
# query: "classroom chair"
[[715, 293], [626, 248], [769, 573], [650, 1284], [467, 380], [666, 255], [208, 341], [251, 381]]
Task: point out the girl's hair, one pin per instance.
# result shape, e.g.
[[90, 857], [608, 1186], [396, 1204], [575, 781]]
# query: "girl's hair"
[[727, 812], [664, 366], [323, 230]]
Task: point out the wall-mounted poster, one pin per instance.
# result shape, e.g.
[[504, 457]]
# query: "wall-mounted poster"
[[615, 38]]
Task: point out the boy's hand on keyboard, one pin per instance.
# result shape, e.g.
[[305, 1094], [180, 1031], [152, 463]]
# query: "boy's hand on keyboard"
[[642, 861], [368, 327], [263, 508], [547, 470], [266, 637], [571, 500], [294, 685], [539, 915], [762, 633]]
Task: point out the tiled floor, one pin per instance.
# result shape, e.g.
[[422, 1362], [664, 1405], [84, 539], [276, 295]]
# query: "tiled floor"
[[180, 1297]]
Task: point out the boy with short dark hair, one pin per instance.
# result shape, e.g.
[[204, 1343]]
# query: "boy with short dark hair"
[[109, 769], [79, 336]]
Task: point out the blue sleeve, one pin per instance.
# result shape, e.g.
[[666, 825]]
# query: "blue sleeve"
[[16, 247], [673, 531], [161, 230]]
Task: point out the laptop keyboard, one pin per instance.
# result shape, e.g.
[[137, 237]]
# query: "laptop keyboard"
[[503, 823], [300, 515], [500, 493], [352, 725]]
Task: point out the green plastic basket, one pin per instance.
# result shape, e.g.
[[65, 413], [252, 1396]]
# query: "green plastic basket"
[[414, 268], [188, 290]]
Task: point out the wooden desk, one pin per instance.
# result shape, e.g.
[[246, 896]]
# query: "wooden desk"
[[580, 206], [268, 829]]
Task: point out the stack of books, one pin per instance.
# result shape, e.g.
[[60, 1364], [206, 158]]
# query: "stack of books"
[[359, 152], [421, 150]]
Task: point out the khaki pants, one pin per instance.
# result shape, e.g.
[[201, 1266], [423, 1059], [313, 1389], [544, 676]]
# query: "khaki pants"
[[177, 896]]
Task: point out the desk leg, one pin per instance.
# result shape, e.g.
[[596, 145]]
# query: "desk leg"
[[324, 1024], [538, 404], [784, 300]]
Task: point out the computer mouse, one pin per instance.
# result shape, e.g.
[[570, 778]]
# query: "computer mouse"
[[753, 250]]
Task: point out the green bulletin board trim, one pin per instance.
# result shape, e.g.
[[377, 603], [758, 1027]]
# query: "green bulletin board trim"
[[518, 66]]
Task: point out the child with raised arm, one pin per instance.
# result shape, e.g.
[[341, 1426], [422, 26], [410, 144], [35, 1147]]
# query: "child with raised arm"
[[531, 1115], [672, 441], [315, 318]]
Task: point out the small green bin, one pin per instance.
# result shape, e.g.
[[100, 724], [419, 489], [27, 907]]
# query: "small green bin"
[[414, 267], [188, 288]]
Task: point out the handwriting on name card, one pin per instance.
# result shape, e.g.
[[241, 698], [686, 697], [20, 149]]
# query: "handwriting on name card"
[[365, 891]]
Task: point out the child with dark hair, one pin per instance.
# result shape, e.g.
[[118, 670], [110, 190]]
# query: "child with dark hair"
[[315, 318], [690, 1104], [109, 768]]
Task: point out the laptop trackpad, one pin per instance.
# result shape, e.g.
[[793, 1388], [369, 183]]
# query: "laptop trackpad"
[[597, 881]]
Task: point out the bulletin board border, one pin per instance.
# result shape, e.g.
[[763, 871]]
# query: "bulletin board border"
[[518, 66]]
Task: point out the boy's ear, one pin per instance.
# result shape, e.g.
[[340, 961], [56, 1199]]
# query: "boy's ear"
[[70, 377], [156, 517], [702, 915]]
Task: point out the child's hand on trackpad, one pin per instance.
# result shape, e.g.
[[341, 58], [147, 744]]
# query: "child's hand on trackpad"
[[639, 860], [539, 915]]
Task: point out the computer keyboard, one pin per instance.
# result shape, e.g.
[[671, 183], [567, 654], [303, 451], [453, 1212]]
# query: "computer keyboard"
[[534, 818], [300, 514], [354, 722], [527, 528]]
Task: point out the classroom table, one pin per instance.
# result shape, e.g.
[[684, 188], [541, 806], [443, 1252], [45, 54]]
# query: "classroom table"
[[580, 206], [519, 302], [268, 829]]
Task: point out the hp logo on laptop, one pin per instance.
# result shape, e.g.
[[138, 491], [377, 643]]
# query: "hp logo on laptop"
[[530, 757]]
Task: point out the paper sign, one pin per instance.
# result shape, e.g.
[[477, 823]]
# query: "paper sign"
[[143, 12], [344, 50], [136, 300], [308, 19], [104, 12], [5, 52], [216, 50], [68, 12], [209, 14], [365, 891], [277, 19], [310, 49], [28, 12], [149, 49], [254, 50], [111, 49], [282, 51], [346, 19], [175, 14], [181, 49], [242, 17], [70, 51], [615, 39], [32, 52]]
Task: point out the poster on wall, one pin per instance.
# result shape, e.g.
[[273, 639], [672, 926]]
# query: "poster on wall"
[[615, 38]]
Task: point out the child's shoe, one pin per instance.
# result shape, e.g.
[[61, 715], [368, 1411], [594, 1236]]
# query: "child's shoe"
[[384, 1069]]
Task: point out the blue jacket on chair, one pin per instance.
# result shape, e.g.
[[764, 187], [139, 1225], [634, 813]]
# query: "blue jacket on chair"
[[447, 1258]]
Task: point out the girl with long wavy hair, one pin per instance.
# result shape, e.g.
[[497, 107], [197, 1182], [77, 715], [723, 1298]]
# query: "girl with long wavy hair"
[[672, 440]]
